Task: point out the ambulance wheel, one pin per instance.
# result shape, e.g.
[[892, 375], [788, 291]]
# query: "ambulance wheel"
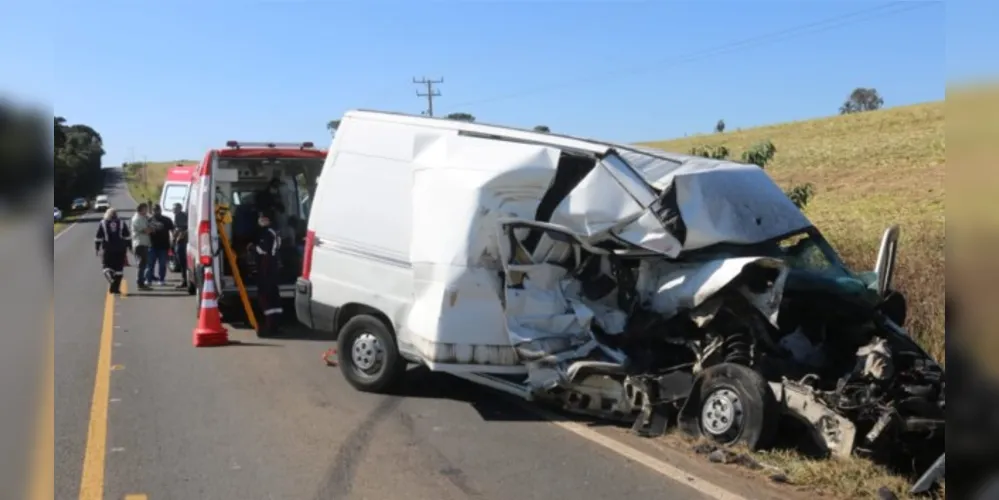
[[737, 406], [368, 355]]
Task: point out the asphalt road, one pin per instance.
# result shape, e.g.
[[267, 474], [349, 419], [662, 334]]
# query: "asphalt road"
[[269, 420]]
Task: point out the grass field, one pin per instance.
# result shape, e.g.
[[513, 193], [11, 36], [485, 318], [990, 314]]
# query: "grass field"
[[869, 170]]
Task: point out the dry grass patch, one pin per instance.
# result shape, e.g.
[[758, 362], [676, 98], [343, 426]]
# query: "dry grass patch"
[[870, 170], [846, 478], [833, 478]]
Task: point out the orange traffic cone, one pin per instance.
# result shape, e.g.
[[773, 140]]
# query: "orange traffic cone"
[[209, 331]]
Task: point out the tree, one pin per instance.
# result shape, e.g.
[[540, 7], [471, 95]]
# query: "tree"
[[332, 125], [76, 162], [800, 194], [465, 117], [862, 99], [542, 128], [714, 152], [720, 126], [760, 154]]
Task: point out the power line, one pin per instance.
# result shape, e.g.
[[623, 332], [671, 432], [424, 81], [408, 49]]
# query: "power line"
[[431, 92], [763, 39]]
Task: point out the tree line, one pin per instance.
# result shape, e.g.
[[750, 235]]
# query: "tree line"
[[77, 153]]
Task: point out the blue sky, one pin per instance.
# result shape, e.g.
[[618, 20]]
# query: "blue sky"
[[171, 79]]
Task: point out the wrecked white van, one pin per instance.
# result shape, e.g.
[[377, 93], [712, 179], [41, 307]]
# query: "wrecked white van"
[[618, 281]]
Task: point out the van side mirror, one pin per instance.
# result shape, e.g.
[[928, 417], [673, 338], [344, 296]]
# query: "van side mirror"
[[884, 267]]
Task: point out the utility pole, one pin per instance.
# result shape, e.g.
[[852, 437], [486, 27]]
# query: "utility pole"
[[431, 92]]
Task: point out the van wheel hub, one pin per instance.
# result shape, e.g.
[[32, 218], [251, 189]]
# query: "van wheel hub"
[[722, 412], [367, 353]]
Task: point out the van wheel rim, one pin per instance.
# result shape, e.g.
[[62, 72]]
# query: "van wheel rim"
[[367, 353], [722, 412]]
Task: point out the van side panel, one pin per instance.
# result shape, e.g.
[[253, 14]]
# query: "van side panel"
[[361, 220]]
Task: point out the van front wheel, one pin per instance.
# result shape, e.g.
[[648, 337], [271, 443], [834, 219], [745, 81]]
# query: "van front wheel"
[[368, 355]]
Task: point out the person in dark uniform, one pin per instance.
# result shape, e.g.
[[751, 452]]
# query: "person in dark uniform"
[[268, 200], [267, 248], [112, 244]]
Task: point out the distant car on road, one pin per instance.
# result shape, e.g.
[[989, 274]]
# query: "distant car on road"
[[57, 213], [101, 203], [79, 204]]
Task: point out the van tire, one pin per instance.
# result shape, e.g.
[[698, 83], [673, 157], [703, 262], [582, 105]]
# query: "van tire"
[[377, 366], [742, 393]]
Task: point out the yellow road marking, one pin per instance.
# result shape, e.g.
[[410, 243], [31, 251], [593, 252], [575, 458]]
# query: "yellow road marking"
[[40, 485], [92, 479], [136, 496]]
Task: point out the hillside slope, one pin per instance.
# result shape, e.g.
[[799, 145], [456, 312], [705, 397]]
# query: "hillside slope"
[[869, 170]]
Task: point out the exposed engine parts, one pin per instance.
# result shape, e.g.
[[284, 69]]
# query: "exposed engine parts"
[[734, 363]]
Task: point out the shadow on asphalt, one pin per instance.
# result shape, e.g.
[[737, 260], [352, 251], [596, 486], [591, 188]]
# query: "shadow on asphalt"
[[419, 382], [490, 404]]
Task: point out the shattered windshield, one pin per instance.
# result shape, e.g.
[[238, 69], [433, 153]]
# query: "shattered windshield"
[[808, 251], [805, 251]]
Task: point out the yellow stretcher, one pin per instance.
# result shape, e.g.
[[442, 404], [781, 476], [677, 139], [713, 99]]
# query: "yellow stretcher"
[[223, 217]]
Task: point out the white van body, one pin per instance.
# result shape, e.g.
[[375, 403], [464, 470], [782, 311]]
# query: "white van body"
[[602, 277], [101, 203], [173, 192], [419, 217], [176, 188]]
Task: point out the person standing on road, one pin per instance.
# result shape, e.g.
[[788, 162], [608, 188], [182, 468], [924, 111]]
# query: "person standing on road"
[[111, 245], [141, 242], [180, 243], [159, 246], [266, 249]]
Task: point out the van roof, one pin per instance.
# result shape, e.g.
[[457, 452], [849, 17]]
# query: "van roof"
[[557, 140], [272, 151]]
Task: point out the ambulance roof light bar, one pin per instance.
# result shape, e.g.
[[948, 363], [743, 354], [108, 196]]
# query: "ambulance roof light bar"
[[299, 145]]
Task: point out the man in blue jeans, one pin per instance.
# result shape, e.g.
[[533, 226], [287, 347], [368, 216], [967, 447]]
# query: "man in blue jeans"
[[159, 246]]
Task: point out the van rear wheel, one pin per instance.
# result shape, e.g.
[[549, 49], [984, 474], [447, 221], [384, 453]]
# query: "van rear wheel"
[[369, 356]]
